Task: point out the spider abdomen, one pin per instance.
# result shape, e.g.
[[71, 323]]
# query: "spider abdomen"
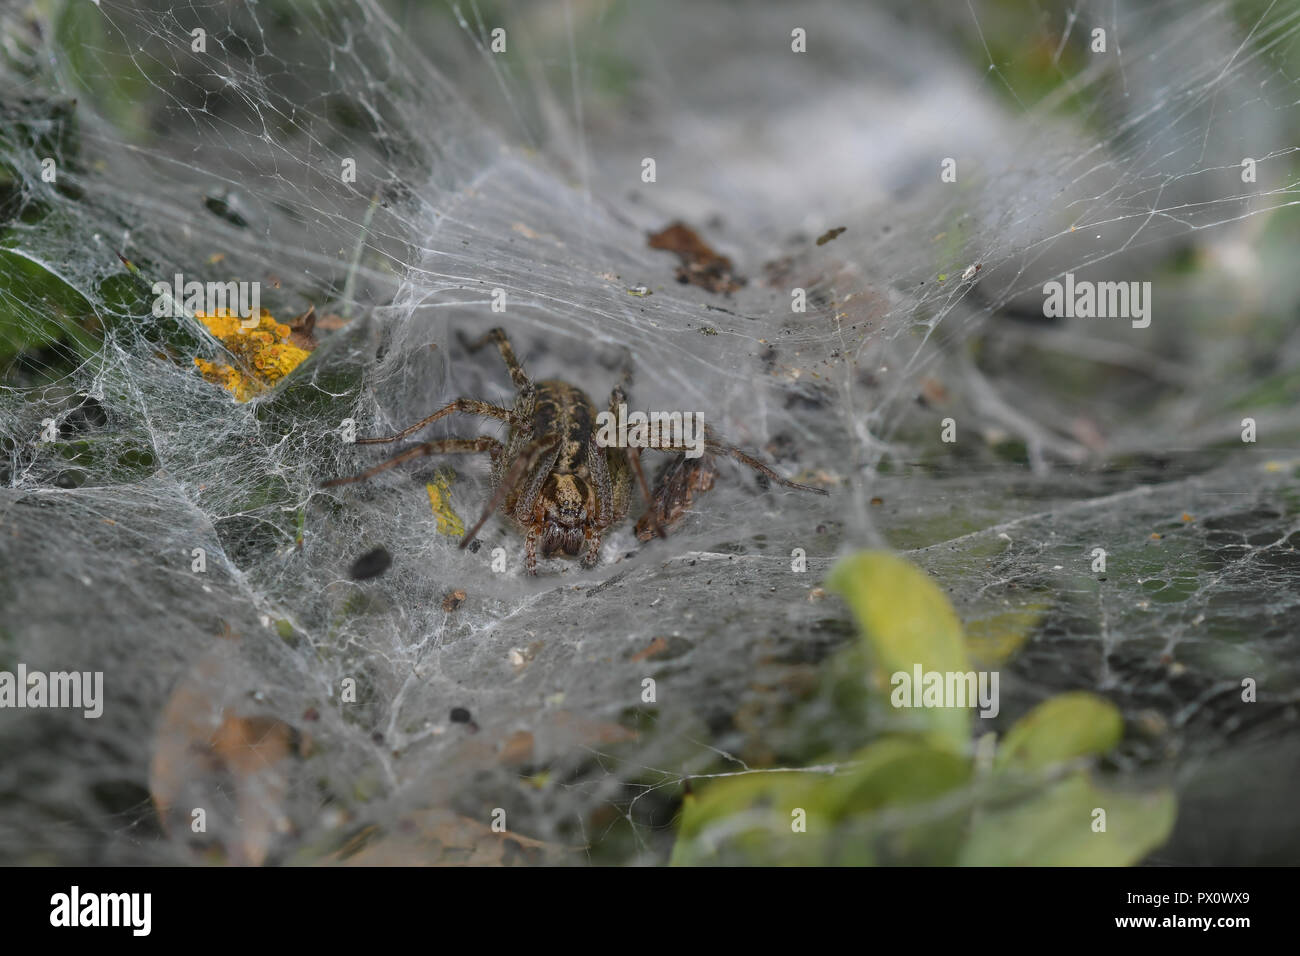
[[565, 410]]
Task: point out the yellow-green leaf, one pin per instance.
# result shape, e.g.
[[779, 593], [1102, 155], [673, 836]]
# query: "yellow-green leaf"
[[893, 771], [751, 819], [1060, 826], [747, 820], [907, 621], [1071, 725], [991, 640]]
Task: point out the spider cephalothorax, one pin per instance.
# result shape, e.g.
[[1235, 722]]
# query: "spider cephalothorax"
[[566, 507], [553, 479]]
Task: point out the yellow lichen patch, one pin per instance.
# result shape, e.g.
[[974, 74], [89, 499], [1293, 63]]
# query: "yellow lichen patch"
[[449, 522], [265, 353], [226, 377]]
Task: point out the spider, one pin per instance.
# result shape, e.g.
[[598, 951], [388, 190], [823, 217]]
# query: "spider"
[[561, 488]]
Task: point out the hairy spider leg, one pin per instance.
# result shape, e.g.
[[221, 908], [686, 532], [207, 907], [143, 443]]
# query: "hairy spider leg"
[[716, 445], [445, 446], [518, 376], [634, 459], [606, 507], [619, 397], [470, 406], [541, 469]]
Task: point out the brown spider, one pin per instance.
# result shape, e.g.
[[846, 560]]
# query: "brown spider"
[[551, 477]]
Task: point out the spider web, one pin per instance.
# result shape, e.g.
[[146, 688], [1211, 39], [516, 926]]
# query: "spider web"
[[521, 171]]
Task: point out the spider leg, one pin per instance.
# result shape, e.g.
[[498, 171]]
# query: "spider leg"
[[625, 383], [471, 406], [652, 510], [712, 443], [525, 460], [517, 374], [530, 550], [442, 447], [541, 470], [618, 397], [592, 554], [598, 469], [747, 459]]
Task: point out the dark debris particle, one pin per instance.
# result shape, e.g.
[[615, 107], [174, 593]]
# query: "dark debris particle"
[[460, 715], [607, 583], [377, 737], [475, 545], [371, 564], [700, 264], [453, 600], [226, 207], [303, 330], [830, 234]]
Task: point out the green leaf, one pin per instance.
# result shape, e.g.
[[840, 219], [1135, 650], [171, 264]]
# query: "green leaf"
[[1071, 725], [748, 819], [1055, 827], [907, 621], [897, 774], [893, 771], [39, 308], [991, 640]]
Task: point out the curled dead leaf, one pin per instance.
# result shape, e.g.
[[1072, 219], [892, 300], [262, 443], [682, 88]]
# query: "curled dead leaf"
[[220, 777]]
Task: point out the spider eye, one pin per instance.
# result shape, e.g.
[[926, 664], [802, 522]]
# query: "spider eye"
[[579, 499], [568, 499]]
